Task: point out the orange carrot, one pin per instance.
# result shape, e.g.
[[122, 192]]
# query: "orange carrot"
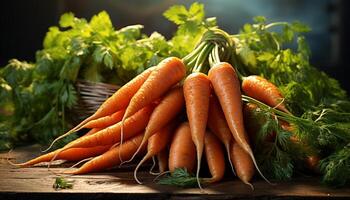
[[92, 131], [243, 163], [156, 143], [197, 93], [74, 154], [118, 101], [182, 152], [110, 159], [112, 134], [227, 88], [263, 90], [169, 107], [218, 125], [215, 157], [167, 73], [106, 120], [163, 157]]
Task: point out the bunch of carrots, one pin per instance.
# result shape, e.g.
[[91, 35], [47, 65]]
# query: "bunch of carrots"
[[176, 112]]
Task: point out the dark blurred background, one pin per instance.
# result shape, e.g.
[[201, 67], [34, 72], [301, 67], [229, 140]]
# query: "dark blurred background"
[[25, 22]]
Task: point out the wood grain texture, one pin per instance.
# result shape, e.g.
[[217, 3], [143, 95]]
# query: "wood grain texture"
[[36, 183]]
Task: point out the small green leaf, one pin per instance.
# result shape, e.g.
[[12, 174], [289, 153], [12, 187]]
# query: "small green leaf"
[[108, 60], [180, 178], [51, 36], [265, 56], [247, 28], [176, 14], [300, 27], [101, 23], [196, 12], [67, 20], [62, 183], [259, 19]]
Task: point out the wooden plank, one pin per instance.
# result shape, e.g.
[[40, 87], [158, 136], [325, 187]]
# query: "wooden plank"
[[38, 181]]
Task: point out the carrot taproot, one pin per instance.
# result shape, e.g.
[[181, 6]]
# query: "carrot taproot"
[[112, 134], [263, 90], [163, 157], [74, 154], [242, 162], [110, 159], [227, 88], [197, 93], [119, 100], [167, 73], [168, 108], [156, 143], [92, 131], [218, 125], [215, 157], [182, 153], [106, 120]]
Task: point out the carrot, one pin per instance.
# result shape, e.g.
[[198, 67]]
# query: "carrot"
[[197, 93], [156, 143], [215, 157], [112, 134], [92, 131], [110, 159], [167, 73], [243, 163], [263, 90], [106, 120], [118, 101], [163, 157], [169, 107], [227, 88], [182, 152], [218, 125], [74, 154]]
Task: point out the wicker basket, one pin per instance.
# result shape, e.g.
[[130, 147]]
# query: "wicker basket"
[[90, 96]]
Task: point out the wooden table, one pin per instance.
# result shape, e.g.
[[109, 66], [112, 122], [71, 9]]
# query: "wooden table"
[[36, 183]]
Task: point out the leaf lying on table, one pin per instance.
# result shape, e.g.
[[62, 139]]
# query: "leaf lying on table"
[[62, 183], [180, 178]]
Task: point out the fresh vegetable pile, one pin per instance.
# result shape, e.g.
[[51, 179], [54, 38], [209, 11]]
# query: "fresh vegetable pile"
[[242, 99]]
